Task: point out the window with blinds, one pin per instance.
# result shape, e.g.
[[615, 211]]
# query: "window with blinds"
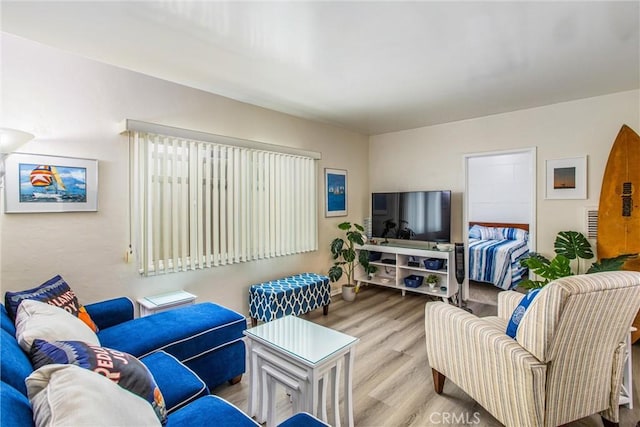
[[199, 204]]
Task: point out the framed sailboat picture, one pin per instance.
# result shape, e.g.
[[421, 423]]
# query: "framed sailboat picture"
[[38, 183], [335, 182]]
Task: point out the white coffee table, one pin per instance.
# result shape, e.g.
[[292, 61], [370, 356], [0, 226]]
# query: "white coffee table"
[[304, 358]]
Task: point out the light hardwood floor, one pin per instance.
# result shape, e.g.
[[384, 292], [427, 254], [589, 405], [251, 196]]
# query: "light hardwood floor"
[[392, 381]]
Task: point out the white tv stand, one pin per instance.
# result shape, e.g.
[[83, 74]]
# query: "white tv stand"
[[392, 275]]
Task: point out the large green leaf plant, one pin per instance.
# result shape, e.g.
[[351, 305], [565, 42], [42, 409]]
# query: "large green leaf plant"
[[569, 246], [345, 256]]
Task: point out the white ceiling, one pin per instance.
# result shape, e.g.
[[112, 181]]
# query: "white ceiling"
[[372, 67]]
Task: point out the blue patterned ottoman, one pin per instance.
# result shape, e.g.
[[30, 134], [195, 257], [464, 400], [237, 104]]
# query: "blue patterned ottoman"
[[295, 295]]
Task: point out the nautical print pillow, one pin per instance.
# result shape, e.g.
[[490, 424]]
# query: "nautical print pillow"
[[121, 368], [54, 291]]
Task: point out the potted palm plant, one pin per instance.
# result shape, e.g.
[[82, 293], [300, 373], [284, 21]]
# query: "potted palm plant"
[[346, 258]]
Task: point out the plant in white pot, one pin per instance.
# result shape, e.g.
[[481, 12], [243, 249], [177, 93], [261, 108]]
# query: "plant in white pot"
[[346, 259], [431, 280]]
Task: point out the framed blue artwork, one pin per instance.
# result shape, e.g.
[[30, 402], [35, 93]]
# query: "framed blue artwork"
[[37, 183], [335, 184]]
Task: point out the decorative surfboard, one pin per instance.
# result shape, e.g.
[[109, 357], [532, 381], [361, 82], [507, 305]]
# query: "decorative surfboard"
[[619, 209]]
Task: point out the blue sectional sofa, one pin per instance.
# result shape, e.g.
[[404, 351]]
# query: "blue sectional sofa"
[[188, 351]]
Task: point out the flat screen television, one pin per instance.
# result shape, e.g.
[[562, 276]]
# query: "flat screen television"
[[414, 215]]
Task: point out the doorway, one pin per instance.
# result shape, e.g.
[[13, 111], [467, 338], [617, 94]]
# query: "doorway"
[[500, 187]]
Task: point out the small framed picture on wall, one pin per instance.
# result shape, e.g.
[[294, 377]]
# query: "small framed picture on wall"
[[567, 178], [335, 198]]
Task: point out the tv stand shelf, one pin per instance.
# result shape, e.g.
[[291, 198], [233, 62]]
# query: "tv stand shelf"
[[392, 275]]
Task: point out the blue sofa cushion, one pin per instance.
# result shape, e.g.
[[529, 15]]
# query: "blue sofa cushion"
[[6, 322], [184, 332], [210, 411], [15, 366], [54, 291], [303, 419], [121, 368], [14, 407], [179, 384]]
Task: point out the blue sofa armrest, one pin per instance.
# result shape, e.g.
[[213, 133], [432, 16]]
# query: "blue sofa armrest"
[[110, 312]]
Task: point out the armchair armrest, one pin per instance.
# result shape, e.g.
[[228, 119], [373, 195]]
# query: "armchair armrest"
[[507, 302], [110, 312]]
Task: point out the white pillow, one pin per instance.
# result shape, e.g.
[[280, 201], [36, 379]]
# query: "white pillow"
[[39, 320], [490, 233], [68, 395]]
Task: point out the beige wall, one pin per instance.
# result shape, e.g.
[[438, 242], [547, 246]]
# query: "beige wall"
[[432, 157], [73, 106]]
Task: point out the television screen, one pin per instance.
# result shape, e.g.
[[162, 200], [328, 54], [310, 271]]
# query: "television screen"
[[415, 215]]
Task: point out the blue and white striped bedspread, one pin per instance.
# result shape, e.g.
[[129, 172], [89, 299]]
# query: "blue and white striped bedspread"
[[497, 261]]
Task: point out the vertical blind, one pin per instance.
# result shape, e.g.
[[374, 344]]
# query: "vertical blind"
[[201, 204]]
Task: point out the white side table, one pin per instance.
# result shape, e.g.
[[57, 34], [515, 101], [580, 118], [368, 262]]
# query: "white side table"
[[304, 358], [163, 302]]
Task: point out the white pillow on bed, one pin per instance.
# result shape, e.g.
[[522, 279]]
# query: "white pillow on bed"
[[485, 233], [512, 233]]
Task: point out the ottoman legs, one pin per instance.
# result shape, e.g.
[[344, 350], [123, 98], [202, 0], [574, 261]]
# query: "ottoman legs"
[[235, 380]]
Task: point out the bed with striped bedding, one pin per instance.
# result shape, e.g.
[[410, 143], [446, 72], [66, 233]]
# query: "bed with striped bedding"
[[495, 254]]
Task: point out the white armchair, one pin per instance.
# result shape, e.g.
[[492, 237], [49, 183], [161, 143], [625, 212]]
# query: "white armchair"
[[566, 360]]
